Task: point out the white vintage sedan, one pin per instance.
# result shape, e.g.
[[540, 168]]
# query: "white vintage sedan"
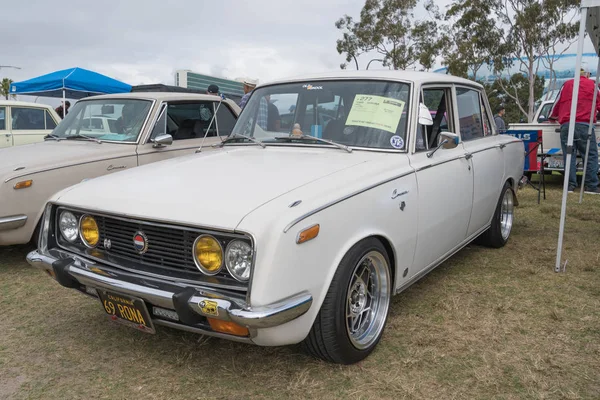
[[298, 230]]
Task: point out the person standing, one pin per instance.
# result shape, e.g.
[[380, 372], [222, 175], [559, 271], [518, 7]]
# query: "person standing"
[[249, 86], [499, 119], [562, 111], [59, 109]]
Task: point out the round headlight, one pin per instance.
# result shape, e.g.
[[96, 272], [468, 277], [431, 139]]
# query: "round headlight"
[[238, 259], [90, 235], [68, 226], [208, 254]]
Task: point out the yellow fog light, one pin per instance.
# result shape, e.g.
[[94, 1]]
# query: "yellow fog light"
[[23, 184], [89, 232], [208, 255]]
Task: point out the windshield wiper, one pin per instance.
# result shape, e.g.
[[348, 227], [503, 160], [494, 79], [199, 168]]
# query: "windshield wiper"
[[80, 136], [233, 136], [52, 136], [308, 137]]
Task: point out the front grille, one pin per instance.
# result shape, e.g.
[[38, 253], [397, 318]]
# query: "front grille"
[[168, 247]]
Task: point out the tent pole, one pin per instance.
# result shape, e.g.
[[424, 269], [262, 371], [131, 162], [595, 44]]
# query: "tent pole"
[[563, 209], [587, 147], [64, 105]]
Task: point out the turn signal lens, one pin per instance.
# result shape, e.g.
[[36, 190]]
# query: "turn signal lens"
[[228, 327], [208, 255], [89, 231], [23, 184], [308, 234]]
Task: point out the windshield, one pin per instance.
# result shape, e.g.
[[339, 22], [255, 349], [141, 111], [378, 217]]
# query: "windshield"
[[116, 120], [370, 114]]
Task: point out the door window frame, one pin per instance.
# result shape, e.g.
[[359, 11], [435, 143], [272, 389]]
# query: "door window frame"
[[484, 105], [451, 111], [42, 109]]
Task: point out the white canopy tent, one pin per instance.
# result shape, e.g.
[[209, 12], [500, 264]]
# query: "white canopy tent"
[[590, 23]]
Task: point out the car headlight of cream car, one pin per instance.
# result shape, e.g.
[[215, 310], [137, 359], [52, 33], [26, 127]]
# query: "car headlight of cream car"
[[68, 226], [238, 259]]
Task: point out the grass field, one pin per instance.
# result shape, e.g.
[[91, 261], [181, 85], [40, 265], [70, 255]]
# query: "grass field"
[[486, 324]]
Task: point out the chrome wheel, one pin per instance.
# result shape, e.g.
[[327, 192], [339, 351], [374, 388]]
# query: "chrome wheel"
[[507, 214], [367, 300]]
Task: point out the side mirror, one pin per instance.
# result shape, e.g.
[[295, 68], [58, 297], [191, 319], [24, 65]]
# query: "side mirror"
[[541, 118], [162, 140], [447, 140], [424, 115]]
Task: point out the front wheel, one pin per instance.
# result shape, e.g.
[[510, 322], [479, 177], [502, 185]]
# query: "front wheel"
[[502, 222], [351, 320]]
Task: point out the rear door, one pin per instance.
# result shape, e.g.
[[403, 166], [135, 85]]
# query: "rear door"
[[5, 133], [30, 124], [189, 123], [480, 142]]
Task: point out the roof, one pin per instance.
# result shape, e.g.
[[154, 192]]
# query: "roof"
[[394, 75], [23, 103]]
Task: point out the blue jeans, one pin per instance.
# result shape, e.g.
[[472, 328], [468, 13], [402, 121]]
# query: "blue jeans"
[[579, 146]]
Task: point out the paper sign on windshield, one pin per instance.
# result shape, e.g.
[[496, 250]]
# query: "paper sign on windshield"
[[376, 112]]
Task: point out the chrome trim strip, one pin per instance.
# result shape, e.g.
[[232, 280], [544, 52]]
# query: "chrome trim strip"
[[161, 292], [465, 156], [12, 222], [496, 146], [346, 197]]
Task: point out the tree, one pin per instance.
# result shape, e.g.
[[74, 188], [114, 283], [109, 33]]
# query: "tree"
[[533, 26], [515, 104], [5, 88], [388, 28]]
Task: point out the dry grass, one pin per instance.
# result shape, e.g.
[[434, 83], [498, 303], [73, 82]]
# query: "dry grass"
[[486, 324]]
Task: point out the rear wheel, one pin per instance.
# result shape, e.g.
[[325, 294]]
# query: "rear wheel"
[[353, 315], [502, 222]]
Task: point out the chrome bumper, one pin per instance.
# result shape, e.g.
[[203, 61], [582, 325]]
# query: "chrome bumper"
[[12, 222], [188, 301]]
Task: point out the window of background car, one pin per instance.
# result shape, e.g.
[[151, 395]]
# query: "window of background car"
[[118, 120], [50, 123], [370, 114], [190, 120], [2, 118], [545, 112], [24, 118], [225, 119], [469, 114]]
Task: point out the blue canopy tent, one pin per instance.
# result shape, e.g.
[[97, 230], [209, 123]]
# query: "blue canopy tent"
[[72, 83]]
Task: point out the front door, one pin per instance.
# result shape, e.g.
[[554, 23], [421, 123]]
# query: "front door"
[[487, 156], [189, 123], [5, 134], [445, 182]]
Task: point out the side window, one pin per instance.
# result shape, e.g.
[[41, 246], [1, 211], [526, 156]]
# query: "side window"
[[50, 124], [487, 126], [2, 118], [191, 120], [226, 120], [28, 118], [436, 100], [469, 114], [545, 112]]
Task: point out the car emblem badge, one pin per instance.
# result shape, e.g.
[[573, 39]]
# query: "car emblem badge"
[[107, 244], [140, 242]]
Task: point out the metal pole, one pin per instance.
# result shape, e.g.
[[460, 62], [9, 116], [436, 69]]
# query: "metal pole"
[[587, 147], [64, 105], [563, 210]]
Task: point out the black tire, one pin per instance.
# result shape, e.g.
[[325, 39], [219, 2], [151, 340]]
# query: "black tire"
[[329, 338], [494, 237]]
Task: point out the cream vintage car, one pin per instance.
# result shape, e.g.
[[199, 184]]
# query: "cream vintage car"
[[299, 231], [101, 135], [24, 123]]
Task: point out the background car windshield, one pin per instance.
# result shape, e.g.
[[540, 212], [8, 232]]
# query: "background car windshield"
[[371, 114], [113, 120]]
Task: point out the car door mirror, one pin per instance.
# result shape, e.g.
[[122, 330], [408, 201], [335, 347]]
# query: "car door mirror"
[[162, 140], [447, 140], [541, 119], [424, 115]]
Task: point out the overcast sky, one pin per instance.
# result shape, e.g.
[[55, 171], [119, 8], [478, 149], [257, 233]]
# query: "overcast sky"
[[145, 41]]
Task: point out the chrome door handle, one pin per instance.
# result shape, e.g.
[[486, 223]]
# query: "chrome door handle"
[[501, 146], [468, 156], [8, 135]]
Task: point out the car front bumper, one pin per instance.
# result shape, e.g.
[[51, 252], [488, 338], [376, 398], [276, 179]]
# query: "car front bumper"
[[78, 273]]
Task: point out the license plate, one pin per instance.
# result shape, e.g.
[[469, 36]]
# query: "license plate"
[[127, 310], [555, 163]]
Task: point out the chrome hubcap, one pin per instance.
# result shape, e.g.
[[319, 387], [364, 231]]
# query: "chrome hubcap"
[[368, 300], [507, 214]]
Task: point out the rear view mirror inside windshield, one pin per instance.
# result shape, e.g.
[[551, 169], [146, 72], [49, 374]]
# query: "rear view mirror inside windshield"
[[108, 109]]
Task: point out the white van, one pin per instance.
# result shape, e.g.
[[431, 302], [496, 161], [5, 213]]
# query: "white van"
[[25, 123]]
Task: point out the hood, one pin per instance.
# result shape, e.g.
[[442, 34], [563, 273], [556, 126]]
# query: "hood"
[[52, 154], [212, 189]]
